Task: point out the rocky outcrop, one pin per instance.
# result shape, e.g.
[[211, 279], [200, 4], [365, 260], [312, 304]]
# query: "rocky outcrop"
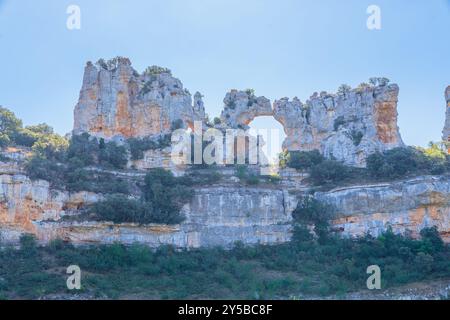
[[406, 206], [446, 132], [217, 216], [348, 126], [24, 203], [241, 107], [116, 101], [157, 158]]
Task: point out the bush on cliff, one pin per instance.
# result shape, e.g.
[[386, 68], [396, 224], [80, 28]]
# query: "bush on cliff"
[[163, 198], [389, 165], [329, 172], [312, 212], [121, 209], [304, 160], [91, 151], [167, 195], [401, 162], [12, 131]]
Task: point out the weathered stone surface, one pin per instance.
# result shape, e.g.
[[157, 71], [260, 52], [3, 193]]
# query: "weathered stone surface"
[[348, 126], [406, 206], [24, 202], [446, 132], [116, 101], [241, 107], [158, 158], [217, 216]]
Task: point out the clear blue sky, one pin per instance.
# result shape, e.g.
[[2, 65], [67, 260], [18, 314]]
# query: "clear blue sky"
[[279, 48]]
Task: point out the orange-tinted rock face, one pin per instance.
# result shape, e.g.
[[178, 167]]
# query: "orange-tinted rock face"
[[348, 126], [386, 122], [116, 101], [405, 206], [24, 203], [410, 222]]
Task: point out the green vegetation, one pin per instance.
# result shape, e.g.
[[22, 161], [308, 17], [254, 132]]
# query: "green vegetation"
[[393, 164], [167, 195], [13, 133], [251, 97], [302, 267], [356, 137], [302, 160], [246, 176], [65, 164], [344, 89], [137, 146], [374, 81], [163, 196], [339, 121], [401, 162], [156, 70]]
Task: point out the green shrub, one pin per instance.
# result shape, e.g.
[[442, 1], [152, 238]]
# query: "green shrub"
[[177, 124], [156, 70], [28, 244], [304, 267], [399, 162], [329, 172], [339, 121], [121, 209], [9, 124], [356, 137], [245, 176], [138, 146], [344, 89], [304, 160], [13, 133], [112, 155], [432, 236], [310, 211], [167, 194]]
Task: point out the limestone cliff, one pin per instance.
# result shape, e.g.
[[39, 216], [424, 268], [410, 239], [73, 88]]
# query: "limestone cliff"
[[348, 126], [116, 101], [226, 212], [218, 215], [241, 107], [407, 206]]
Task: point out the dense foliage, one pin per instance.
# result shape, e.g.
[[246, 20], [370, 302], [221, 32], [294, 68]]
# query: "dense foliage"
[[392, 164], [163, 198], [138, 146], [400, 162], [13, 133], [302, 267]]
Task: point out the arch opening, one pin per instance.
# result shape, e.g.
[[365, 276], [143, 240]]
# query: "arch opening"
[[272, 134]]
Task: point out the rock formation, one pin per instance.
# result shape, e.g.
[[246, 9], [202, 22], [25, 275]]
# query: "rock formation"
[[117, 101], [348, 126], [241, 107], [221, 214], [446, 132], [217, 216], [407, 206]]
